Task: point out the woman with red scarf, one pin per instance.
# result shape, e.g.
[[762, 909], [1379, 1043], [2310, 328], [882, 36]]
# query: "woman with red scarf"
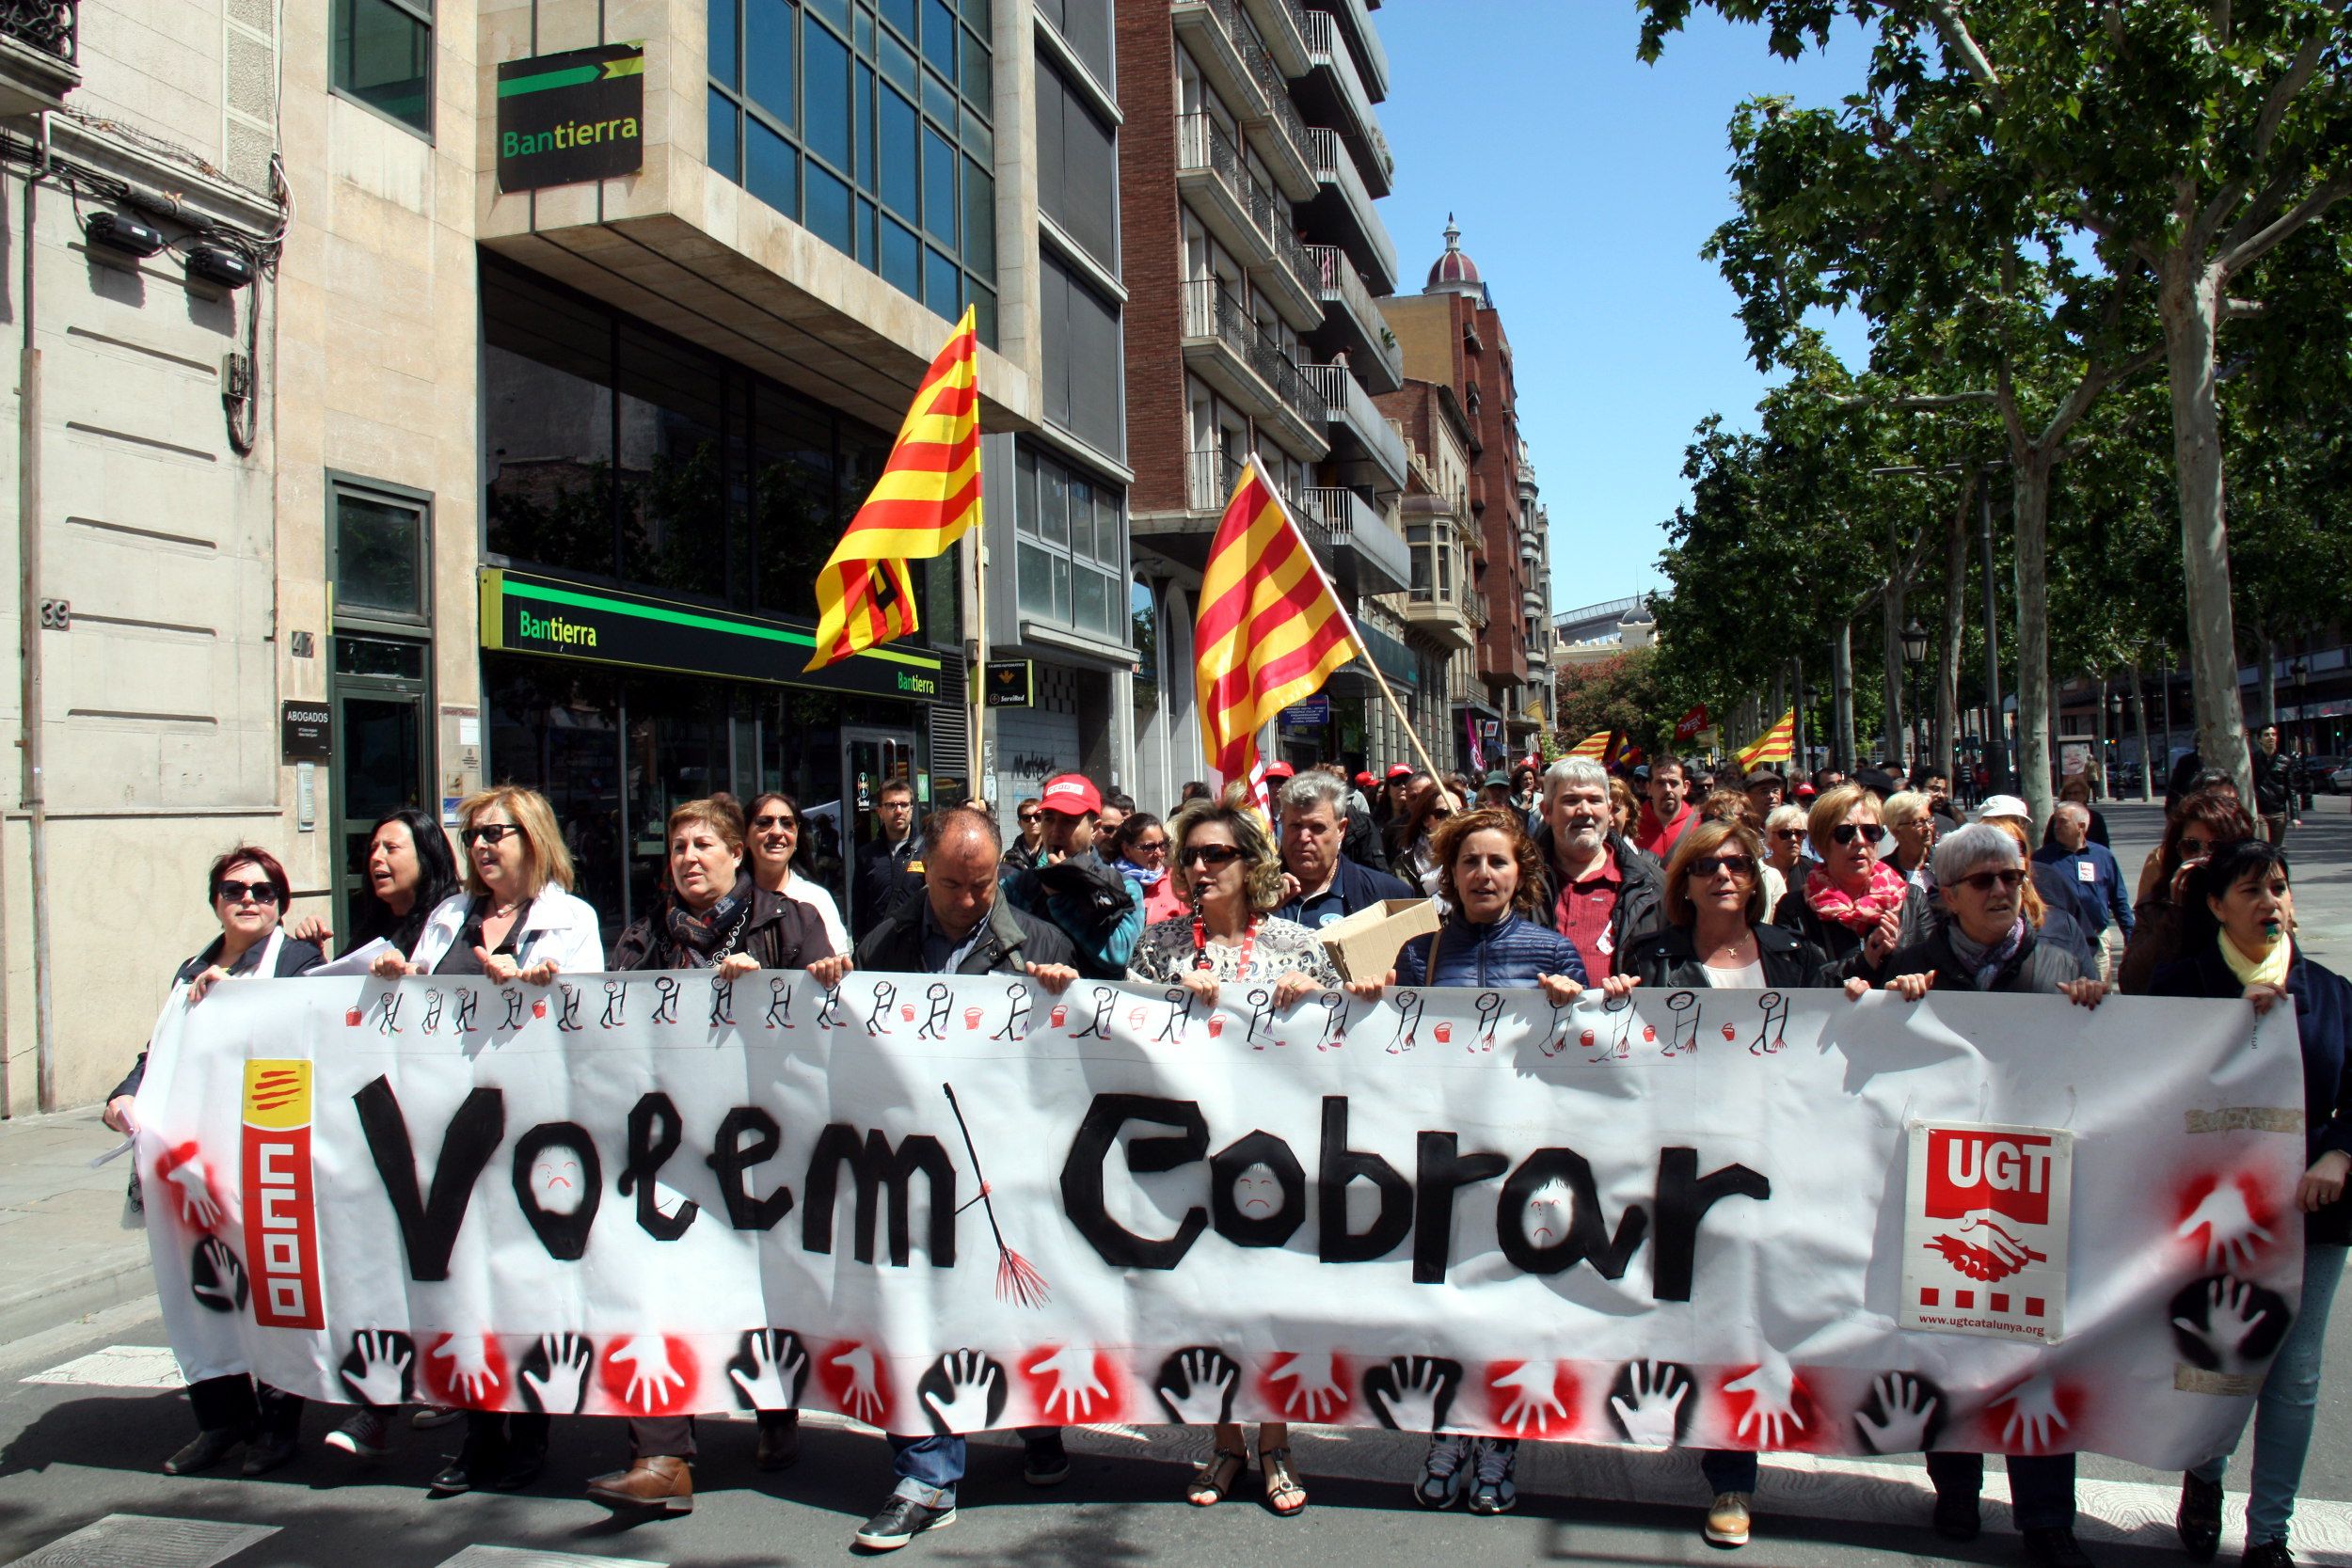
[[1851, 901]]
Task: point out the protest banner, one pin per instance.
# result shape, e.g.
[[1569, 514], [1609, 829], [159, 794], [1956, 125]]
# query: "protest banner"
[[1735, 1219]]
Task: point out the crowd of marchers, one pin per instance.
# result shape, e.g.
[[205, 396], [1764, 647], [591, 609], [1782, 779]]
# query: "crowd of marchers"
[[1561, 879]]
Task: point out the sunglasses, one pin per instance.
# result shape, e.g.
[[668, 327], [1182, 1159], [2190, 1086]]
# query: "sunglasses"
[[237, 893], [1788, 833], [492, 834], [1150, 846], [2196, 847], [1214, 856], [1739, 866], [1846, 833], [1986, 881], [762, 824], [1029, 817]]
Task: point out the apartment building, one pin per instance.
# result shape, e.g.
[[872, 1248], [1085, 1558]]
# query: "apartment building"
[[1443, 613], [512, 451], [1251, 159]]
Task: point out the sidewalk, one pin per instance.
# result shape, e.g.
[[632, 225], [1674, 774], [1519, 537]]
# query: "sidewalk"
[[61, 1223]]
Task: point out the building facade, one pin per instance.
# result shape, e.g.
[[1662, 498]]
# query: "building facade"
[[1251, 161], [441, 479]]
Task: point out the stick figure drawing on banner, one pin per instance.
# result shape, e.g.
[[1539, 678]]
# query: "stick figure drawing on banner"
[[878, 1021], [779, 1002], [513, 1000], [829, 1016], [1617, 1015], [1770, 1027], [935, 1022], [1179, 1014], [1408, 1022], [467, 1002], [1099, 1027], [722, 1003], [1490, 1009], [387, 1012], [567, 1018], [1334, 1021], [665, 991], [433, 1000], [1684, 1039], [1017, 1019], [616, 1000], [1261, 1018]]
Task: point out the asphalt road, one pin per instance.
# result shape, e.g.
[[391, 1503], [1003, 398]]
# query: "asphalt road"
[[76, 1456]]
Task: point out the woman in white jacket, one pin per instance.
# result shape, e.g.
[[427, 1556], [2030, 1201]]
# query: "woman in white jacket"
[[517, 919]]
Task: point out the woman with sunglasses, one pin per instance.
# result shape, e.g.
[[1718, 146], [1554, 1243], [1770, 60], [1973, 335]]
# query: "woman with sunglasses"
[[1784, 854], [1987, 942], [1427, 805], [2199, 825], [1140, 847], [1227, 872], [775, 835], [1910, 816], [249, 893], [1716, 936], [2239, 923], [1850, 900]]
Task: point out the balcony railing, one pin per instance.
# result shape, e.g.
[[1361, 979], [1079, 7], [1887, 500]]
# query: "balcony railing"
[[1367, 544], [1474, 606], [1334, 166], [1349, 400], [1209, 480], [52, 26], [1326, 48], [1352, 14], [1201, 144], [1280, 112], [1339, 280], [1212, 312], [1285, 20], [1229, 36]]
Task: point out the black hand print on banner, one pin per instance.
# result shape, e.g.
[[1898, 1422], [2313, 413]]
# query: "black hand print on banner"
[[779, 1002], [1178, 1013], [769, 1370], [1904, 1413], [1261, 1018], [1413, 1393], [665, 999], [615, 1005], [567, 1014], [878, 1021], [467, 1002], [554, 1376], [722, 1003], [935, 1022], [1017, 1021], [1196, 1386], [433, 1000], [513, 1000], [388, 1013], [1684, 1041], [1769, 1029], [1651, 1403], [217, 1277], [1334, 1021], [380, 1369], [829, 1016], [1408, 1023], [2224, 1324], [962, 1391], [1490, 1009], [1100, 1027]]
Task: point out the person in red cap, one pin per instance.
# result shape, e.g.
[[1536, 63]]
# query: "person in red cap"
[[1366, 781], [1073, 888]]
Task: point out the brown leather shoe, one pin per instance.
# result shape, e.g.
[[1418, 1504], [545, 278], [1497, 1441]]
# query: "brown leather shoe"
[[663, 1484]]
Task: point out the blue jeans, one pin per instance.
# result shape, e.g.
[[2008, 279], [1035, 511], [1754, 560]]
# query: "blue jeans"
[[2041, 1486], [929, 1467], [2282, 1417]]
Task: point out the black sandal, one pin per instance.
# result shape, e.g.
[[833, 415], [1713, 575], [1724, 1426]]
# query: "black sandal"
[[1213, 1479], [1281, 1483]]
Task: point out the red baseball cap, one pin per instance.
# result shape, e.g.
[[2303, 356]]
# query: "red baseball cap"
[[1398, 771], [1279, 770], [1366, 779], [1070, 795]]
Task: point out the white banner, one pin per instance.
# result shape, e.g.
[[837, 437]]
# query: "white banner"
[[1731, 1219]]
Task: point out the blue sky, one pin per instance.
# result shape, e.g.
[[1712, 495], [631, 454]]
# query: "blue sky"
[[1585, 183]]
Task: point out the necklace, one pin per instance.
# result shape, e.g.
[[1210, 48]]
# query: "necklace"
[[1201, 945]]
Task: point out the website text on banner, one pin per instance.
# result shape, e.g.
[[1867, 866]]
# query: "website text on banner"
[[1721, 1218]]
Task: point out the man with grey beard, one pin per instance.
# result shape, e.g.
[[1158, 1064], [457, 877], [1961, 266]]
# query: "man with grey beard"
[[1600, 892]]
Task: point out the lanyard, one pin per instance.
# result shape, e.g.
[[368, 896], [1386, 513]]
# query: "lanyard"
[[1201, 945]]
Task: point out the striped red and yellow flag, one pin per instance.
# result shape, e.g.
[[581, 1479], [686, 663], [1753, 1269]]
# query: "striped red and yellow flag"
[[928, 496], [1595, 745], [1271, 630], [1777, 744]]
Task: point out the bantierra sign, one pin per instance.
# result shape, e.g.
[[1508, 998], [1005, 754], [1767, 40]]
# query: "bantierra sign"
[[571, 119], [1728, 1219]]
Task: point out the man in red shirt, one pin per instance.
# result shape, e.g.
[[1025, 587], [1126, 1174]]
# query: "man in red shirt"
[[1600, 892], [1666, 813]]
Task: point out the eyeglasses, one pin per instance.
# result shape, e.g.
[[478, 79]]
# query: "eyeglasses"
[[237, 893], [1739, 866], [761, 824], [492, 834], [1214, 856], [1029, 817], [1150, 846], [1788, 833], [1846, 833], [1986, 881]]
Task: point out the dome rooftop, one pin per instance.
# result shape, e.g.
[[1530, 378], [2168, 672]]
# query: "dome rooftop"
[[1454, 273]]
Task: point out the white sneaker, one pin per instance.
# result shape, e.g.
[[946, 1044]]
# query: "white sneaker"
[[367, 1434]]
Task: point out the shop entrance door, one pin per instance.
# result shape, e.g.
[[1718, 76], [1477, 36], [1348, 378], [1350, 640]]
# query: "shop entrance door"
[[381, 703], [870, 759]]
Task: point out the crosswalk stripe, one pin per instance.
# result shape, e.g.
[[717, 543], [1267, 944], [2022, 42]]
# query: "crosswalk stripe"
[[516, 1556], [143, 1540], [117, 1367]]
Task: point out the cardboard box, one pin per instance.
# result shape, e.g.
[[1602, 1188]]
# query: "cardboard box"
[[1364, 945]]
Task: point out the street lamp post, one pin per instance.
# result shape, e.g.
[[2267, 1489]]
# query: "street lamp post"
[[1915, 640]]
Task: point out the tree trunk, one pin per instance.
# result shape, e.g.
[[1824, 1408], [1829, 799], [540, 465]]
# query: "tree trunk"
[[1841, 682], [2147, 764], [2269, 672], [2031, 471], [1955, 628], [2099, 769], [1891, 645], [2189, 300]]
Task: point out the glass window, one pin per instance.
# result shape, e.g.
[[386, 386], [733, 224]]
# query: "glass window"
[[864, 234], [726, 157], [1071, 558], [1052, 504], [939, 99], [939, 187], [983, 303], [829, 209], [547, 407], [897, 62], [835, 11], [769, 74], [974, 81], [900, 14], [774, 174], [939, 37], [901, 156], [979, 220], [672, 497], [826, 84], [863, 112], [381, 54], [723, 23], [901, 259], [940, 284], [792, 504], [379, 548]]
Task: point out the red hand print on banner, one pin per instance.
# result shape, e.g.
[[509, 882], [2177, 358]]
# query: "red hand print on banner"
[[1530, 1399]]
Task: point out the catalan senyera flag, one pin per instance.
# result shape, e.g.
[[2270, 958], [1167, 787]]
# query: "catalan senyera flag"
[[1595, 745], [928, 496], [1271, 630], [1777, 744]]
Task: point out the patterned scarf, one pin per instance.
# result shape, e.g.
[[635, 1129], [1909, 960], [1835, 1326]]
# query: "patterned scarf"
[[1857, 914], [1983, 962], [702, 941]]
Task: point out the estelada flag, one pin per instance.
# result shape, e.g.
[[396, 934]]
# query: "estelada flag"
[[1777, 744], [928, 496], [1271, 630], [1690, 722], [1595, 745]]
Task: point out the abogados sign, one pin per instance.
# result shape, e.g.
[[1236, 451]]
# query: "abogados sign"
[[568, 119]]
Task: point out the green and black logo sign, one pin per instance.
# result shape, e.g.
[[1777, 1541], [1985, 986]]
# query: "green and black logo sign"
[[569, 119]]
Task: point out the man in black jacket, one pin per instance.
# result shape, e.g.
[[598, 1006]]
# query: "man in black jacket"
[[2274, 784], [1323, 883], [889, 869], [1600, 892], [959, 927]]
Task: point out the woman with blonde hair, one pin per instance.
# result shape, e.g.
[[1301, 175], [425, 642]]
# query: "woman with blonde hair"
[[1227, 872], [1623, 810], [1910, 816], [1850, 899]]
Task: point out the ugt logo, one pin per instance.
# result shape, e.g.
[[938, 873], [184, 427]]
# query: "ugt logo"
[[1973, 1177]]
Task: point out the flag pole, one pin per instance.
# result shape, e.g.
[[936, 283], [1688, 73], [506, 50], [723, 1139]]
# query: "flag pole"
[[1403, 719], [975, 687]]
